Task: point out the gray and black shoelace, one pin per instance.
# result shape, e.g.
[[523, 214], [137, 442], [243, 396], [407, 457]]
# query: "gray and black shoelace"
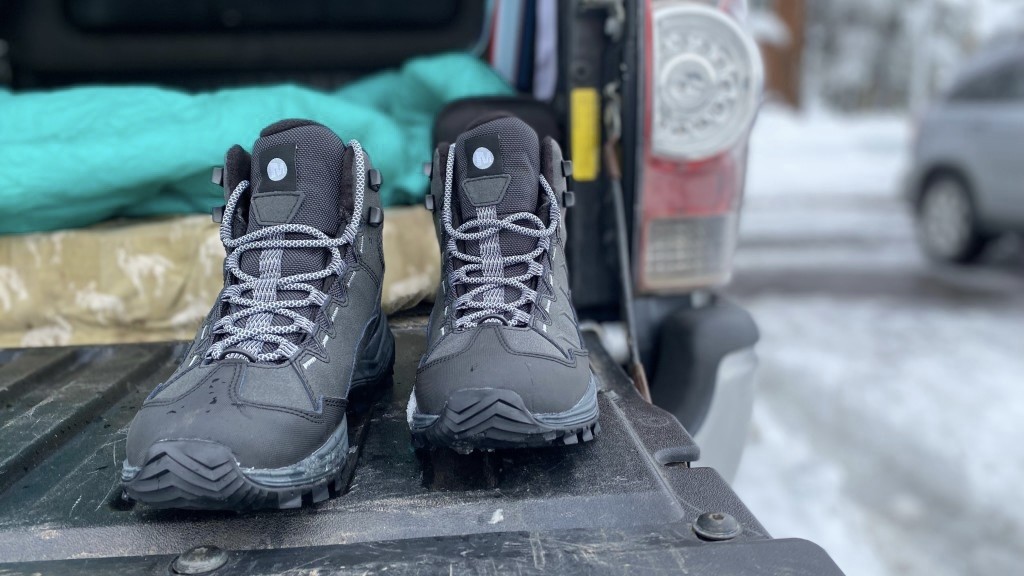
[[486, 301], [261, 305]]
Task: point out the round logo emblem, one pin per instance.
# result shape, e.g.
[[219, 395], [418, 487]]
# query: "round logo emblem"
[[483, 158], [277, 169]]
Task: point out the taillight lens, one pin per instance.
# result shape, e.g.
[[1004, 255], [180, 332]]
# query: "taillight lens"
[[704, 81]]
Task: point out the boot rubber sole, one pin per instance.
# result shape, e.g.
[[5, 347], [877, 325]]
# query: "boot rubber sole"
[[203, 475], [494, 419]]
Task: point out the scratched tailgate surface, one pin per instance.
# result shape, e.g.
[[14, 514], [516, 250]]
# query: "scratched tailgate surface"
[[64, 413]]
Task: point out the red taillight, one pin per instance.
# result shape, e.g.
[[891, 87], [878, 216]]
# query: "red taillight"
[[703, 86]]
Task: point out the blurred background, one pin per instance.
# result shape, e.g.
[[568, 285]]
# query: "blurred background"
[[891, 397], [879, 241]]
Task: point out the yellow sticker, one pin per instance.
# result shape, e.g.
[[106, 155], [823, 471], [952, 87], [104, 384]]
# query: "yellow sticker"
[[585, 118]]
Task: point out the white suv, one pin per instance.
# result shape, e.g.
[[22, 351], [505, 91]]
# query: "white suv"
[[966, 181]]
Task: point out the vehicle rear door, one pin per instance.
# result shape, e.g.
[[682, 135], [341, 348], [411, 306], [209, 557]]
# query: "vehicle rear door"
[[986, 115], [1007, 136]]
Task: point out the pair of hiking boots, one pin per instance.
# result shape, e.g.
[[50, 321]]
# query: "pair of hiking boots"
[[255, 415]]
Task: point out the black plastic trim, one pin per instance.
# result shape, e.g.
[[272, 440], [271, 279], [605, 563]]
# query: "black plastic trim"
[[691, 343]]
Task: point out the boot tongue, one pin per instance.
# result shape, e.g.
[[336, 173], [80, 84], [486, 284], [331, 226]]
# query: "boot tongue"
[[497, 165], [296, 178]]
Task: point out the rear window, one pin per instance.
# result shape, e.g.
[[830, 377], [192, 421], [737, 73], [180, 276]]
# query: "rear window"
[[998, 83]]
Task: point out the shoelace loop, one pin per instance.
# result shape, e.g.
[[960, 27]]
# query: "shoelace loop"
[[262, 306], [487, 298]]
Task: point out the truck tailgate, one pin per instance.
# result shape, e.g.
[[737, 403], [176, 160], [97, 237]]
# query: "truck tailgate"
[[626, 500]]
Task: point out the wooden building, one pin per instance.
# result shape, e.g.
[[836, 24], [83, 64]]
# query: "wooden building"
[[779, 26]]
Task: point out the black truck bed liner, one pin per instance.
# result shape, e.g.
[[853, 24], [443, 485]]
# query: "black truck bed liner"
[[621, 504]]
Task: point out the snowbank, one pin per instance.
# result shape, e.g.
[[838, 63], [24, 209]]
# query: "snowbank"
[[818, 152], [894, 441]]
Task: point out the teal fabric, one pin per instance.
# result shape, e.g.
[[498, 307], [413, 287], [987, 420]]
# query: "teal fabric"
[[78, 156]]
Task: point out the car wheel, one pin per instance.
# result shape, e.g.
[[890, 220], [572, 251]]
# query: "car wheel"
[[946, 224]]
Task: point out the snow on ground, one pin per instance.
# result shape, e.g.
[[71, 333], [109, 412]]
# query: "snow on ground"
[[888, 433], [889, 413], [820, 153]]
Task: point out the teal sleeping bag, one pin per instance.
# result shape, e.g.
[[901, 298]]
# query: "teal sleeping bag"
[[78, 156]]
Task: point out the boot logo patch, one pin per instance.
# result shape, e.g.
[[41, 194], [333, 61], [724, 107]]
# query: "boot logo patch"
[[483, 158], [483, 155], [279, 172], [277, 169]]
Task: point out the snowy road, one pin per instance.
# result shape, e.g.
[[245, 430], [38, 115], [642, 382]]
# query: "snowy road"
[[890, 412]]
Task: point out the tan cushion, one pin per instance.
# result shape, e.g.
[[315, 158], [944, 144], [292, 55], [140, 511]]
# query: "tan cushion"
[[153, 280]]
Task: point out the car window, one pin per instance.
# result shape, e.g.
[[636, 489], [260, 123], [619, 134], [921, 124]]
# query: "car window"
[[1002, 82]]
